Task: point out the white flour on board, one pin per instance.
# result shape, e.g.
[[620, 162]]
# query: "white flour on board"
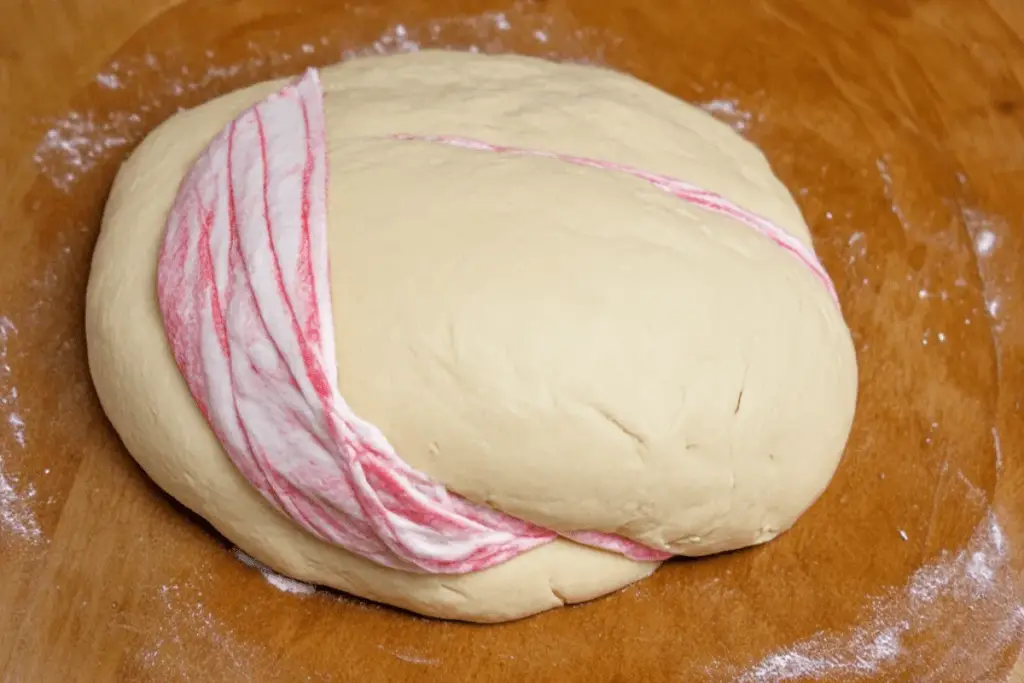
[[884, 166], [976, 580], [75, 143], [186, 627], [490, 29], [410, 657], [730, 112], [985, 232], [17, 521], [279, 582]]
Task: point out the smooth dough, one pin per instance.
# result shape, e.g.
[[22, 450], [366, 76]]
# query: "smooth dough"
[[569, 345]]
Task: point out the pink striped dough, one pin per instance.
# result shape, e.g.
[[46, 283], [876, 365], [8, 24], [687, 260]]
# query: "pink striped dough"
[[243, 284]]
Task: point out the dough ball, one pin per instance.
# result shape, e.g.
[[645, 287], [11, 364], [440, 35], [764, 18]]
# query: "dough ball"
[[570, 345]]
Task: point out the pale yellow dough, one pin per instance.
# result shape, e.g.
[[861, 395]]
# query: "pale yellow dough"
[[571, 346]]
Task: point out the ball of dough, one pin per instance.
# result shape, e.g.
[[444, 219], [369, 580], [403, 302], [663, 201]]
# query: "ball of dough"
[[570, 345]]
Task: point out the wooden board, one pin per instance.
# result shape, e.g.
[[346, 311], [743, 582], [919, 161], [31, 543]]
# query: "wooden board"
[[897, 124]]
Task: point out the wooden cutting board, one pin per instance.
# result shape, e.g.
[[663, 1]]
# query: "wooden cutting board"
[[897, 124]]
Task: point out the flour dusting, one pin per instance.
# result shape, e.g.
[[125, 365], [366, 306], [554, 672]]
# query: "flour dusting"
[[491, 32], [985, 242], [729, 112], [998, 450], [884, 166], [76, 143], [974, 581], [985, 232], [410, 657], [17, 520], [282, 583], [111, 81], [187, 627]]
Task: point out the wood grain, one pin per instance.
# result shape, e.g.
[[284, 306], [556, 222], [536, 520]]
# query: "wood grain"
[[897, 124]]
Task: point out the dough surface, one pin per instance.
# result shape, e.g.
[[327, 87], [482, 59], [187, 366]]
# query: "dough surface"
[[569, 345]]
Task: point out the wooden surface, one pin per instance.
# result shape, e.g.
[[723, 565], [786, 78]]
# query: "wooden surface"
[[897, 124]]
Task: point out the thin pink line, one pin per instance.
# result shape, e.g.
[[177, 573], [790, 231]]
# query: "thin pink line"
[[704, 199]]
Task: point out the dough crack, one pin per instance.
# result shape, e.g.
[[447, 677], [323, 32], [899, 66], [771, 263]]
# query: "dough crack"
[[639, 440]]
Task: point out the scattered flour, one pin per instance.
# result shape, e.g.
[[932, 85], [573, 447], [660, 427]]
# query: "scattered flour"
[[985, 232], [858, 250], [411, 657], [884, 165], [187, 628], [76, 143], [984, 242], [729, 112], [273, 578], [17, 520], [998, 450], [111, 81], [490, 31], [974, 581]]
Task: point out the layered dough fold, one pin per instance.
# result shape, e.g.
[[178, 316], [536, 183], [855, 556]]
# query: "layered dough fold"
[[574, 347]]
